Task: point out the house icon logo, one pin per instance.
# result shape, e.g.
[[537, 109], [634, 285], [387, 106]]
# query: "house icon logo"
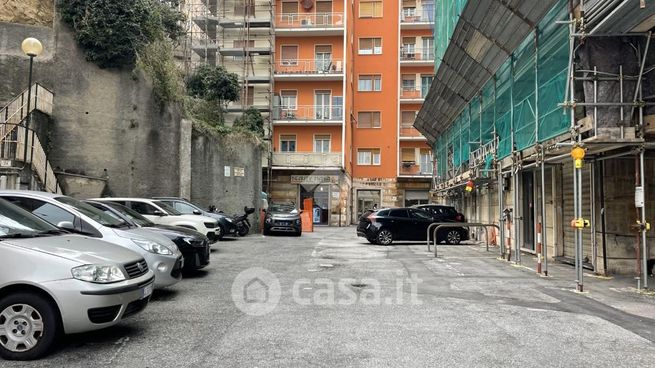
[[256, 291]]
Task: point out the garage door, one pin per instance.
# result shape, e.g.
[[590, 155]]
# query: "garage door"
[[568, 207], [414, 197]]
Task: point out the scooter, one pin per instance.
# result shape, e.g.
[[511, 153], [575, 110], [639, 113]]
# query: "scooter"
[[242, 222]]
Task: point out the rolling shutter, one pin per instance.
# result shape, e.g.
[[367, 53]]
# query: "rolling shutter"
[[568, 207]]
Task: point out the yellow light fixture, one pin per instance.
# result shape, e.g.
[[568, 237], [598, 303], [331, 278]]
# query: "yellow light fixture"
[[31, 47], [578, 153]]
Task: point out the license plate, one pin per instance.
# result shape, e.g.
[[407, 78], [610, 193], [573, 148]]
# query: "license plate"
[[147, 291]]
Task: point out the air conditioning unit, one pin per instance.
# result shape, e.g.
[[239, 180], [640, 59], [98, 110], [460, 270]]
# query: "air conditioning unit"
[[306, 22], [288, 63]]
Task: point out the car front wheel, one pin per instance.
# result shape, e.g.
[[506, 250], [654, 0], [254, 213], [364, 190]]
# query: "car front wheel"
[[453, 237], [28, 326], [385, 237]]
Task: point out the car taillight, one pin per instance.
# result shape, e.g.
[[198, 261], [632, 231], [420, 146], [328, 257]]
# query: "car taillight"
[[372, 217], [460, 217]]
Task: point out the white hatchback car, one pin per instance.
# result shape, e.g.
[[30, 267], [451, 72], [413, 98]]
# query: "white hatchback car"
[[53, 282], [162, 255], [161, 213]]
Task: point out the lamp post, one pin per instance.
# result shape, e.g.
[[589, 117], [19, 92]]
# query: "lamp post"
[[32, 48]]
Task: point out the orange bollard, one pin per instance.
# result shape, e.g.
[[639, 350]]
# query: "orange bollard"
[[307, 215]]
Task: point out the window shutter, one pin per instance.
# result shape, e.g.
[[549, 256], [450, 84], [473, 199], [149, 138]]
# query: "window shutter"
[[323, 49], [408, 155], [289, 52]]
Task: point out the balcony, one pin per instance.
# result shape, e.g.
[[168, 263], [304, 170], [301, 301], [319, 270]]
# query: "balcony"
[[308, 160], [314, 115], [300, 70], [309, 24], [409, 133], [421, 21], [411, 169], [416, 56], [411, 96]]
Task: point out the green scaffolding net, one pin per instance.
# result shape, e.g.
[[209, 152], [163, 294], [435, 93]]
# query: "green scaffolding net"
[[519, 106], [447, 14]]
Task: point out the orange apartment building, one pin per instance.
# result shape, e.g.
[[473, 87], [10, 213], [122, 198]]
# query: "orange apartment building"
[[348, 80]]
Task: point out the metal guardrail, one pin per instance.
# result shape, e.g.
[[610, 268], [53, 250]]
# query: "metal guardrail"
[[439, 225], [310, 20]]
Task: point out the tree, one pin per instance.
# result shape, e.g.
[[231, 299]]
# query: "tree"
[[216, 84], [252, 121], [113, 32]]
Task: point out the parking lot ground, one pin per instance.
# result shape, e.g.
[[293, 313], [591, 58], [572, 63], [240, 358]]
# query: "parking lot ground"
[[337, 301]]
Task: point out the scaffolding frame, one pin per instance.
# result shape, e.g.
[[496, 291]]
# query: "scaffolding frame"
[[557, 149]]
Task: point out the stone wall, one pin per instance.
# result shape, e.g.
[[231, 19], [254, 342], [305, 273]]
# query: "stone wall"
[[32, 12], [107, 124]]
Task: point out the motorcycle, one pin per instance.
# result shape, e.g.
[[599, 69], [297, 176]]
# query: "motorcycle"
[[242, 222]]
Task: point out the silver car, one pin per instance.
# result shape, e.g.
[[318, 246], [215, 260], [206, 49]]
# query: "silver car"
[[162, 255], [53, 282]]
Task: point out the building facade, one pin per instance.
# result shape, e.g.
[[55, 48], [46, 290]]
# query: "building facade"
[[515, 93], [349, 78]]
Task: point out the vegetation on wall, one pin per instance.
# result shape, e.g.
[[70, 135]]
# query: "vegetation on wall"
[[113, 33], [157, 60], [251, 121]]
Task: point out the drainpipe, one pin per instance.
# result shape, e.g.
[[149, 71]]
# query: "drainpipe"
[[603, 223]]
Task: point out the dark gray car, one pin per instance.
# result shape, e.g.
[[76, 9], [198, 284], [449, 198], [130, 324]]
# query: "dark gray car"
[[283, 218]]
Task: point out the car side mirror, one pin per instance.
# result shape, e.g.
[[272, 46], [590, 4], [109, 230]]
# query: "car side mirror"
[[197, 212], [158, 213], [66, 225]]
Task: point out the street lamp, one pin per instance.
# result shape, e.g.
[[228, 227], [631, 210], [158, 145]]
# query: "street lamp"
[[32, 48]]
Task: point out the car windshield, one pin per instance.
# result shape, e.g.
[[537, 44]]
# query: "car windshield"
[[287, 208], [92, 212], [170, 210], [15, 222], [131, 214]]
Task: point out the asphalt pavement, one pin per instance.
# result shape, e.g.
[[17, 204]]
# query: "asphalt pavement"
[[329, 299]]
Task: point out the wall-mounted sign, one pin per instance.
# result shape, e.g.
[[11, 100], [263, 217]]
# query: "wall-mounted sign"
[[239, 171], [639, 197], [228, 171], [314, 179]]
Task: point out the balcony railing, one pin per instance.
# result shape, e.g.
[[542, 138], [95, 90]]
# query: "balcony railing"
[[413, 169], [309, 113], [418, 18], [409, 132], [305, 66], [309, 20], [416, 54], [411, 94], [306, 159]]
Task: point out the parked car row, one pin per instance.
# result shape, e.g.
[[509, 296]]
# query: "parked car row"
[[383, 226], [72, 266]]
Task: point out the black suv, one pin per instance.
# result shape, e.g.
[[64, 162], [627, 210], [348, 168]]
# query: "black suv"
[[389, 224]]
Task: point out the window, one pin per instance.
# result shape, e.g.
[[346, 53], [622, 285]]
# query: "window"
[[370, 46], [322, 143], [287, 143], [143, 208], [408, 155], [53, 214], [426, 161], [368, 156], [368, 119], [428, 48], [289, 55], [322, 104], [409, 48], [370, 9], [426, 81], [289, 100], [397, 212], [324, 12], [409, 9], [370, 83], [323, 57], [420, 214], [407, 118], [248, 96], [240, 8], [289, 7], [409, 82]]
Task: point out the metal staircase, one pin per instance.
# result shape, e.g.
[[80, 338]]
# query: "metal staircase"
[[23, 161]]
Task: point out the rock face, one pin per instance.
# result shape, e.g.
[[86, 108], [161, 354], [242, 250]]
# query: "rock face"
[[32, 12]]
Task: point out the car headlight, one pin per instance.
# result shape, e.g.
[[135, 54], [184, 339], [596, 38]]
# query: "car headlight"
[[101, 274], [188, 240], [298, 222], [269, 220], [153, 247], [228, 220]]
